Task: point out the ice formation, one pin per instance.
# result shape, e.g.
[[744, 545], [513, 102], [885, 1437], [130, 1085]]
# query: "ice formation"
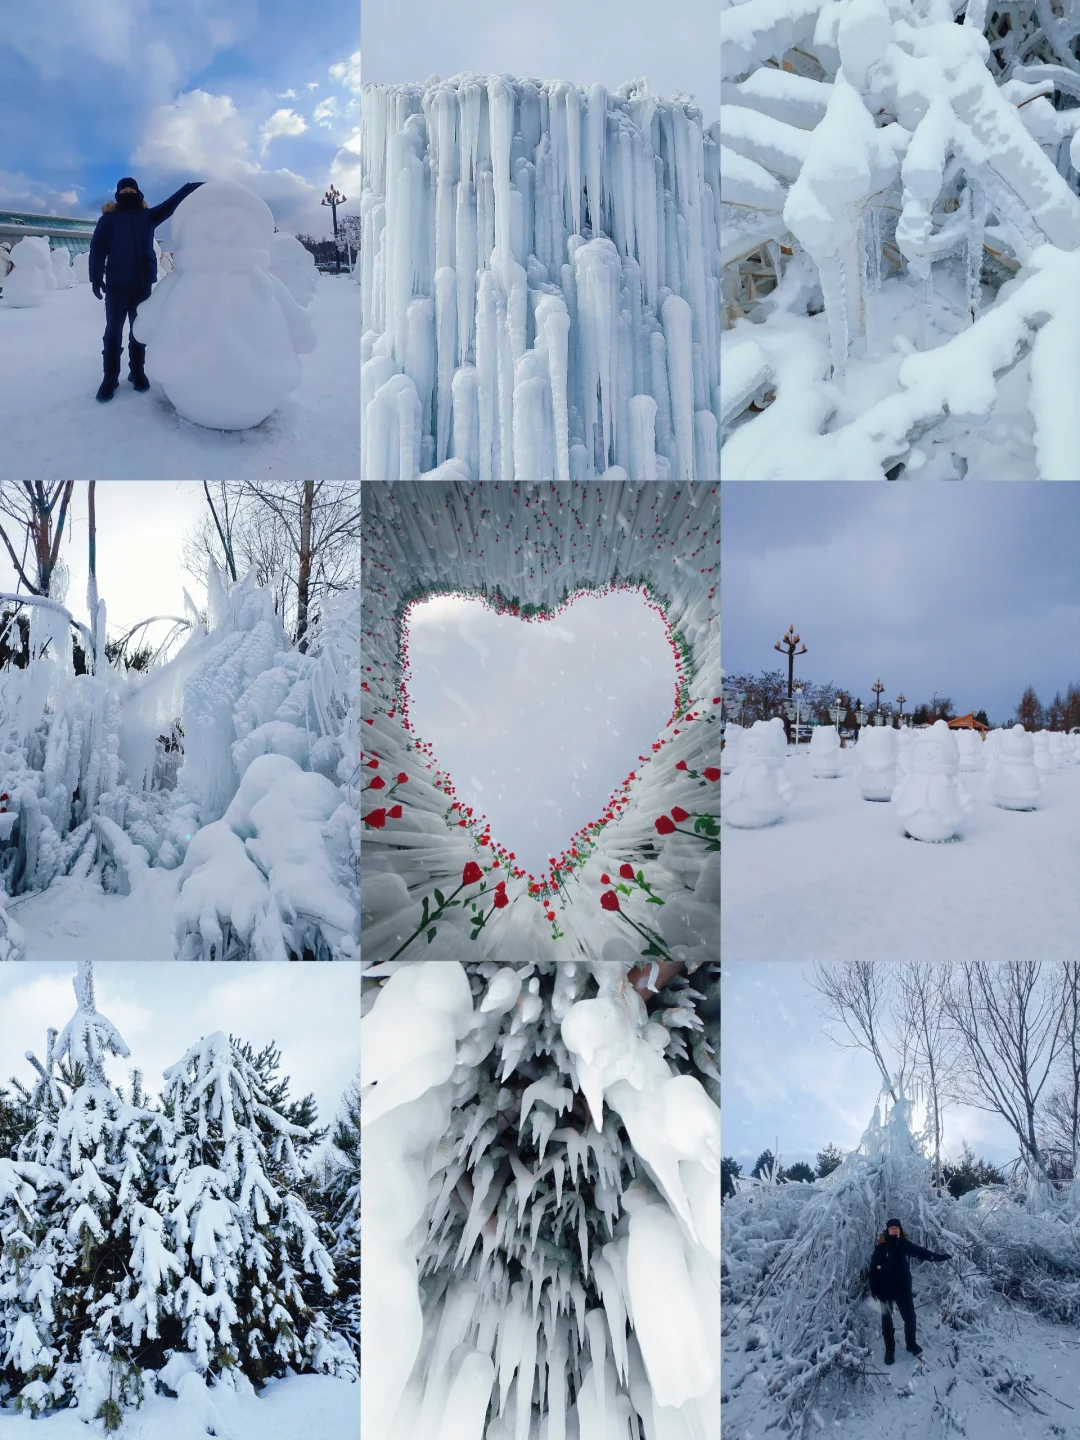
[[294, 265], [758, 792], [30, 278], [535, 543], [1015, 783], [540, 275], [224, 335], [876, 769], [931, 802], [628, 1324]]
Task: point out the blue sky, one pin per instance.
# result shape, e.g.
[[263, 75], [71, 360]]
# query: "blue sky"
[[786, 1081], [537, 723], [969, 590], [312, 1013], [612, 41], [171, 90]]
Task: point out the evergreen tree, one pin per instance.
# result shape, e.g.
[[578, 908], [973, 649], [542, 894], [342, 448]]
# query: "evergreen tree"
[[730, 1170], [799, 1171], [763, 1165], [828, 1160], [970, 1174], [341, 1198]]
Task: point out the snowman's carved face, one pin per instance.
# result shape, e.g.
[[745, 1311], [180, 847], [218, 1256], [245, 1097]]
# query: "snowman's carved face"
[[1017, 744], [934, 753], [224, 227]]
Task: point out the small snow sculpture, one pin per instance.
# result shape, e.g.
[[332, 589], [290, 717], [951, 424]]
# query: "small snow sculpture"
[[729, 755], [61, 267], [876, 770], [80, 268], [30, 278], [904, 736], [971, 749], [825, 753], [294, 266], [224, 334], [1015, 782], [758, 791], [1057, 750], [930, 801], [1042, 750]]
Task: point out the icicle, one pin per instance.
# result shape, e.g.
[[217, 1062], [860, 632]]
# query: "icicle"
[[833, 292], [976, 214]]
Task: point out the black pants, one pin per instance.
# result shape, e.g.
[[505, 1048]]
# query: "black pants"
[[121, 303], [906, 1305]]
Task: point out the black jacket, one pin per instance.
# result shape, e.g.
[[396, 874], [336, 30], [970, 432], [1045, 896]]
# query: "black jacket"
[[122, 250], [890, 1275]]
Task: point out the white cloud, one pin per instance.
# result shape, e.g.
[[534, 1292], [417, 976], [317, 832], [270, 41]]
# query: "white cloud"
[[287, 95], [312, 85], [21, 192], [348, 71], [281, 122], [326, 111]]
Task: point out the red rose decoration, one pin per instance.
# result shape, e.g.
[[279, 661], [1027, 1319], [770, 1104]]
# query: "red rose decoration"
[[678, 813], [501, 899], [377, 819], [471, 874], [373, 764], [605, 879], [626, 871], [609, 900], [395, 813], [402, 778], [711, 773], [680, 765], [378, 783], [664, 825]]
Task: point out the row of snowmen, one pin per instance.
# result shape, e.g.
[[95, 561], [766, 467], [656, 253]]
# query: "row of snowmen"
[[916, 770]]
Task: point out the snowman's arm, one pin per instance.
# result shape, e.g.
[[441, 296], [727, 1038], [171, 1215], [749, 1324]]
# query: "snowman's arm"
[[301, 330], [160, 213]]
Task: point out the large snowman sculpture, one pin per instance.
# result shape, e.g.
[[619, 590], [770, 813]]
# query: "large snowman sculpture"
[[1015, 783], [876, 770], [824, 753], [930, 802], [30, 278], [224, 335], [758, 792]]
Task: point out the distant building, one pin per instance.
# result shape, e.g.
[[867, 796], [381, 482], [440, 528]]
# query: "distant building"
[[64, 232]]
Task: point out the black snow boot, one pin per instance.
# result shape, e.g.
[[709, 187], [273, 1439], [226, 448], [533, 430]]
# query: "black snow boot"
[[110, 357], [890, 1357], [915, 1348], [137, 365]]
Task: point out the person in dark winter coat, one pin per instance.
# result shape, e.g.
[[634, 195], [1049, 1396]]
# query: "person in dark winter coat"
[[124, 265], [890, 1284]]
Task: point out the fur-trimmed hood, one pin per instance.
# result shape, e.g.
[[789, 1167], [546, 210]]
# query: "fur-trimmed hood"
[[111, 205]]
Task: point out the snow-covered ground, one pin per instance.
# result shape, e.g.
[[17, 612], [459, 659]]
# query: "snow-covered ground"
[[961, 1387], [54, 427], [836, 879], [300, 1407], [75, 918]]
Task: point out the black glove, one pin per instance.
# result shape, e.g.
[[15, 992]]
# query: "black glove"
[[97, 291], [942, 1257]]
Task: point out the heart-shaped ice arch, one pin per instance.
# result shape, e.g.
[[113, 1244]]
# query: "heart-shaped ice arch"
[[429, 888]]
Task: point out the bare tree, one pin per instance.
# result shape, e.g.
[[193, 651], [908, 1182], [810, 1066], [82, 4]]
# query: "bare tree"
[[919, 1008], [1061, 1109], [855, 995], [1009, 1018], [31, 504]]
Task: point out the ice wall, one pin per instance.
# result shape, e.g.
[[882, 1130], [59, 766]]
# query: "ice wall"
[[541, 282]]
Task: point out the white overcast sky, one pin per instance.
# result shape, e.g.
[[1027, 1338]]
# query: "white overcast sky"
[[537, 723], [140, 530], [786, 1081], [675, 45], [969, 590], [312, 1013]]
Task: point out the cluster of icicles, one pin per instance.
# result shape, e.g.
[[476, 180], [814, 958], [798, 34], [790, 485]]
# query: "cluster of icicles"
[[541, 283], [441, 1359]]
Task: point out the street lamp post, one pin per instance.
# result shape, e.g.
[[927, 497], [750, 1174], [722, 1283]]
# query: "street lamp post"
[[877, 688], [838, 710], [900, 701], [788, 645], [334, 198]]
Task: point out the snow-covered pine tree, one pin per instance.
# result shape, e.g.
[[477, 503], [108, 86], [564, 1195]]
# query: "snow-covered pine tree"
[[257, 1274], [340, 1197], [526, 1200]]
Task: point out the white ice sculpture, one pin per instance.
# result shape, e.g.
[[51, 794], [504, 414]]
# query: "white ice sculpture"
[[294, 266], [971, 749], [729, 755], [930, 802], [80, 267], [61, 267], [825, 752], [876, 770], [540, 283], [224, 335], [1015, 782], [758, 792], [30, 278], [408, 1048]]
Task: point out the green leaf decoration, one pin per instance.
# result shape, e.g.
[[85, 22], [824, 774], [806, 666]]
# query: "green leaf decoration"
[[710, 848], [654, 900], [440, 898], [474, 934], [641, 878], [431, 935], [624, 888]]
